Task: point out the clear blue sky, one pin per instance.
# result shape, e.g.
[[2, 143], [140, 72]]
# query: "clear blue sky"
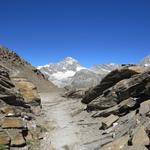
[[92, 31]]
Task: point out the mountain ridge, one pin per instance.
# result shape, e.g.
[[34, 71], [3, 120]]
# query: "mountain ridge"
[[69, 71]]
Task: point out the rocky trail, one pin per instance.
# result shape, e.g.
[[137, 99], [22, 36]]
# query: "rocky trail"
[[68, 126]]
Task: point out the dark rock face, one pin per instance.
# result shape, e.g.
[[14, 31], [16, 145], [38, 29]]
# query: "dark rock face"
[[137, 87], [111, 79], [8, 93]]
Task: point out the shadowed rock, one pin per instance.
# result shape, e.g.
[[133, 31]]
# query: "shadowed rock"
[[137, 87], [110, 80]]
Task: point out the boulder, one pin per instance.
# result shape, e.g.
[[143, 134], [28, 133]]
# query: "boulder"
[[144, 108], [12, 122], [120, 109], [8, 93], [137, 87], [17, 138], [28, 91], [107, 122], [140, 137], [117, 144], [4, 138], [108, 81], [74, 93], [10, 111]]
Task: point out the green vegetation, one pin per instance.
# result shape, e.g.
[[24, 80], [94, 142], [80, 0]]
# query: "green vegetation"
[[2, 147]]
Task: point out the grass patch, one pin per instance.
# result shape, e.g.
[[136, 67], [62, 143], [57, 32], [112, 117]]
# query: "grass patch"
[[2, 147]]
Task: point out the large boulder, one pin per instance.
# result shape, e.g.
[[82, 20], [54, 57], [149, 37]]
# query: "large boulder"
[[108, 121], [10, 111], [144, 108], [12, 122], [74, 93], [4, 138], [121, 109], [17, 138], [28, 91], [140, 137], [110, 80], [136, 87], [8, 93]]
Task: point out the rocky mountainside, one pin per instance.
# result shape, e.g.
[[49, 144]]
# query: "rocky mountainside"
[[84, 78], [18, 67], [70, 73], [19, 106], [118, 101], [122, 101], [20, 103], [104, 69]]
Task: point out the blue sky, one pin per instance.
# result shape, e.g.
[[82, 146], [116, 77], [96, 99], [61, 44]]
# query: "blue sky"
[[92, 31]]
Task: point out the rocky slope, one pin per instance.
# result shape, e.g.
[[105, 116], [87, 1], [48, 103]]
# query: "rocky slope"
[[19, 106], [20, 103], [18, 67], [122, 100], [84, 78], [104, 69]]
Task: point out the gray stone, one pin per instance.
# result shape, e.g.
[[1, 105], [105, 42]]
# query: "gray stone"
[[107, 122], [140, 137], [144, 107]]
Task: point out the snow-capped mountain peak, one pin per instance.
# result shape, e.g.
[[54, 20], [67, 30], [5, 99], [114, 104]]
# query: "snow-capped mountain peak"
[[70, 60], [70, 72], [61, 72]]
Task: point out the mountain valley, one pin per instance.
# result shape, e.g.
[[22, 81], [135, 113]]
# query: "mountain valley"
[[65, 106]]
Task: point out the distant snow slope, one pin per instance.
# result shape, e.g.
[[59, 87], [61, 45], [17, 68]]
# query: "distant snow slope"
[[104, 68]]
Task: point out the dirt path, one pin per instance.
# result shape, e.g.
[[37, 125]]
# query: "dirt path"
[[68, 126]]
